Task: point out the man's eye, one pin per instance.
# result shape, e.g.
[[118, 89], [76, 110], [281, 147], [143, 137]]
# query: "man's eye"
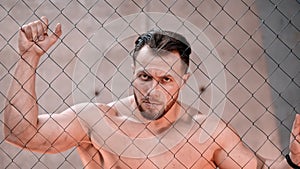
[[144, 77], [166, 79]]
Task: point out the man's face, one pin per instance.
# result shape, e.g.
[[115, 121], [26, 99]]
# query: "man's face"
[[157, 80]]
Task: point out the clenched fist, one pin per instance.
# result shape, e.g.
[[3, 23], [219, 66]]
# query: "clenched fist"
[[34, 39]]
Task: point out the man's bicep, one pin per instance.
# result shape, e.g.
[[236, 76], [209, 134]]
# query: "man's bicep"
[[232, 152], [239, 157], [57, 132]]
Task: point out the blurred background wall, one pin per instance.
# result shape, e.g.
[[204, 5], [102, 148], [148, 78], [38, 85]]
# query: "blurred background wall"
[[256, 42]]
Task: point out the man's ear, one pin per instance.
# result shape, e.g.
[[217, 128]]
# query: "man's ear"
[[185, 77], [133, 68]]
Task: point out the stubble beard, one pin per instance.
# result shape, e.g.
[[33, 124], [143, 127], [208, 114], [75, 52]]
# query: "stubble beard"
[[150, 115]]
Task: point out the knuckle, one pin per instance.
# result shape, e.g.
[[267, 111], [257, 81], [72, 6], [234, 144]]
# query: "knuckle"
[[27, 28], [34, 24], [24, 27], [30, 24]]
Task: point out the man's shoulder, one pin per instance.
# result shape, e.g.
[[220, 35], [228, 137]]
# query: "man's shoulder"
[[121, 107], [90, 107], [226, 135], [211, 128], [106, 108]]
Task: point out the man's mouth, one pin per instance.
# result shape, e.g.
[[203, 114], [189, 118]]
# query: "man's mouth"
[[150, 104], [148, 101]]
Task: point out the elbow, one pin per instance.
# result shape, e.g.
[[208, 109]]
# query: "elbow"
[[11, 138], [15, 129], [10, 123], [7, 133], [20, 140]]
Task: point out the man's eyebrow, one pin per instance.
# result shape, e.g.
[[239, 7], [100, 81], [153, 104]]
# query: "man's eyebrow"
[[143, 72], [166, 75], [169, 76]]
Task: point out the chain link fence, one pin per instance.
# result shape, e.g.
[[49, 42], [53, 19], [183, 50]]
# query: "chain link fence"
[[247, 52]]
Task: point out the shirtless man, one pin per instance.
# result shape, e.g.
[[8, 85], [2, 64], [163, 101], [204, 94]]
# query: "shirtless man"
[[159, 71]]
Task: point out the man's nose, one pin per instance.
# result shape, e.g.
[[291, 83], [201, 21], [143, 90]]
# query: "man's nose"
[[154, 89]]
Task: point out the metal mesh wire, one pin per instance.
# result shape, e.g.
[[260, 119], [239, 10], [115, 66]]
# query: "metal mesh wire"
[[255, 42]]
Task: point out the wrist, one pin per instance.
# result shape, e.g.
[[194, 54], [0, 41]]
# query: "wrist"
[[292, 161], [295, 158], [30, 59]]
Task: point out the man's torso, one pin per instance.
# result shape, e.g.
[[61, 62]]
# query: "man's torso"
[[132, 145]]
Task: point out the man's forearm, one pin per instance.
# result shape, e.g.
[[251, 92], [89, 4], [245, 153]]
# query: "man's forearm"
[[22, 111]]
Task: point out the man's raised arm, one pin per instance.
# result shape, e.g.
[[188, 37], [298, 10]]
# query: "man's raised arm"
[[22, 124], [234, 154]]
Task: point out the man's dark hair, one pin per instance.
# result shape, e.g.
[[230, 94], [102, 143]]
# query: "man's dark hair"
[[164, 40]]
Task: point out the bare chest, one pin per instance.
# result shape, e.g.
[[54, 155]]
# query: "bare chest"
[[125, 144], [185, 155]]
